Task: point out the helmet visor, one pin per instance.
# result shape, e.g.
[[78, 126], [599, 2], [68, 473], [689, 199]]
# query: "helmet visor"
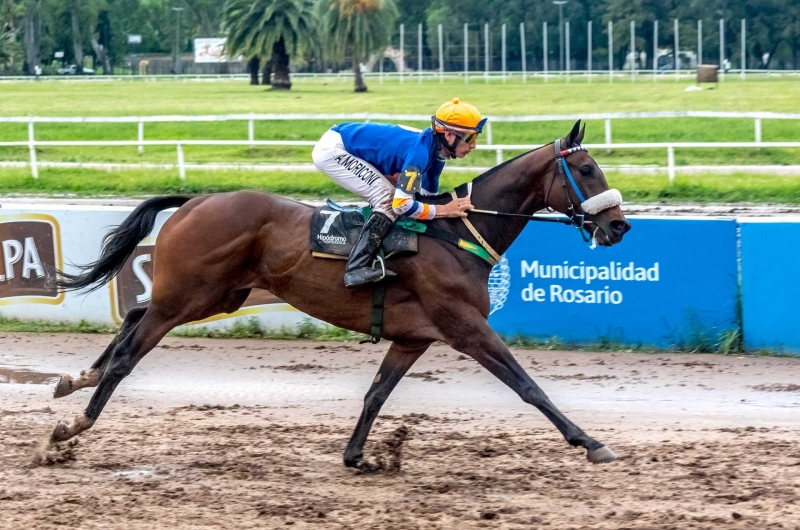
[[469, 137]]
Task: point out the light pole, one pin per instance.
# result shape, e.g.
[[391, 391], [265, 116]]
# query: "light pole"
[[560, 4], [177, 39]]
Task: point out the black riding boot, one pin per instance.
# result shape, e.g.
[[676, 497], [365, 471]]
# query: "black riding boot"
[[359, 264]]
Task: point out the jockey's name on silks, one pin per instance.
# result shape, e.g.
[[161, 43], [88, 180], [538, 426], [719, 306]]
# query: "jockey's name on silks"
[[393, 148], [357, 168]]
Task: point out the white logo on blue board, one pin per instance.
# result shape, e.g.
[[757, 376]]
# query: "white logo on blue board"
[[499, 285]]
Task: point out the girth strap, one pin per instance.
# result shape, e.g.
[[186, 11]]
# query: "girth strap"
[[477, 235], [376, 324]]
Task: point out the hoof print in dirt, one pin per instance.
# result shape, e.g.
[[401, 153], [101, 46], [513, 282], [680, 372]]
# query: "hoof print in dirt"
[[388, 454], [54, 453]]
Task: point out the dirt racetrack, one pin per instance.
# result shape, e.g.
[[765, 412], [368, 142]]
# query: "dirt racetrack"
[[249, 434]]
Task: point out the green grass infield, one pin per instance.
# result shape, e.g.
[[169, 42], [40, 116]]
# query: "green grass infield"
[[708, 188], [144, 98]]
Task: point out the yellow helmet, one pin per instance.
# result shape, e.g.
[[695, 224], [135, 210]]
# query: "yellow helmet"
[[459, 116]]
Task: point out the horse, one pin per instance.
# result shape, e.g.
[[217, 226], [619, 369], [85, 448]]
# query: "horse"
[[215, 248]]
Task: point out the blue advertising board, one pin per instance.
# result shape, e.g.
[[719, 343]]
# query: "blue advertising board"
[[770, 251], [672, 281]]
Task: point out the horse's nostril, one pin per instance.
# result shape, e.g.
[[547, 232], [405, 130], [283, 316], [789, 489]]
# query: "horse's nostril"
[[620, 227]]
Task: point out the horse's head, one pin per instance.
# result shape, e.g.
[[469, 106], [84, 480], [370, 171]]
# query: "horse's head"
[[593, 199]]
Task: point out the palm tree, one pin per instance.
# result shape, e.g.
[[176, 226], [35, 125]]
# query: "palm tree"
[[6, 48], [77, 42], [362, 26], [270, 28]]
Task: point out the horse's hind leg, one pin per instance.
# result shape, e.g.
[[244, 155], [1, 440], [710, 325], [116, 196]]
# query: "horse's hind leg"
[[89, 378], [130, 350], [395, 364]]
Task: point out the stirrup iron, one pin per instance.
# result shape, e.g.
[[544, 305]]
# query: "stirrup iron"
[[379, 259]]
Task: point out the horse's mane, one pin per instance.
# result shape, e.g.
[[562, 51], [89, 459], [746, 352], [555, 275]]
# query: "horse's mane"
[[443, 198]]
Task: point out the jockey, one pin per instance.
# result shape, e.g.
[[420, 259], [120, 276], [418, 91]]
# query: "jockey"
[[388, 165]]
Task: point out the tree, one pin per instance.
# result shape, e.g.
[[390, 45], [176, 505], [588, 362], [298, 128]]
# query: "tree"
[[10, 20], [252, 69], [278, 29], [6, 47], [77, 42], [361, 26], [204, 15]]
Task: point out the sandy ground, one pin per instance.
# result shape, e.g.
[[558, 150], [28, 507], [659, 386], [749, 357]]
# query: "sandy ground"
[[250, 434]]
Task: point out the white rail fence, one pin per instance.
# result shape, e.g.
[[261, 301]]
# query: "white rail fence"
[[670, 147], [427, 75]]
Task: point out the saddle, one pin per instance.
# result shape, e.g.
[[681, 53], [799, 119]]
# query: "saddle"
[[335, 229]]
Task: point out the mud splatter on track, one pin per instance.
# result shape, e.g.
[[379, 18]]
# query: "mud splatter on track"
[[203, 436]]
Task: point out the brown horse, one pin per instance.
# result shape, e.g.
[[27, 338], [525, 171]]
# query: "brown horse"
[[216, 248]]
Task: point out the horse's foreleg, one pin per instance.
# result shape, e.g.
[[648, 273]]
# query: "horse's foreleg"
[[396, 363], [90, 378], [126, 355], [484, 346]]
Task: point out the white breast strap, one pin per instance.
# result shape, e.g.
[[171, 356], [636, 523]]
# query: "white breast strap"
[[602, 201]]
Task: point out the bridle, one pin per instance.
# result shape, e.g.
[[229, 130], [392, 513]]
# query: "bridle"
[[562, 171], [593, 205]]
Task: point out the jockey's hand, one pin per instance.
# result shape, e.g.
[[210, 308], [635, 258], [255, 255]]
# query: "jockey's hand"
[[455, 208]]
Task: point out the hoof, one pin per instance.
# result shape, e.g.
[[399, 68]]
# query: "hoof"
[[63, 387], [601, 455], [61, 433], [65, 430], [353, 461]]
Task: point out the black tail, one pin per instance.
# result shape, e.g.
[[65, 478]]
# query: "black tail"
[[118, 245]]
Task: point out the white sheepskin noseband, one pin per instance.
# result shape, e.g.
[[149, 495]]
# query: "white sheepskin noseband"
[[603, 201]]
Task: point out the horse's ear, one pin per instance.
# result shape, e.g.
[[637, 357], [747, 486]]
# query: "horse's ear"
[[575, 135], [579, 139]]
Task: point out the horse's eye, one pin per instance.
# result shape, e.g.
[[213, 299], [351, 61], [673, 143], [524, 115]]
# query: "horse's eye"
[[586, 171]]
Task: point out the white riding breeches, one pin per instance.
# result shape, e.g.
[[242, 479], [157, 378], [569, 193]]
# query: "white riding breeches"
[[353, 174]]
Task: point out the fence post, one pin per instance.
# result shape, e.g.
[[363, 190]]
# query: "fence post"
[[504, 52], [441, 57], [671, 163], [655, 50], [633, 50], [32, 149], [589, 50], [466, 54], [758, 130], [544, 52], [700, 41], [488, 133], [610, 52], [522, 49], [141, 137], [608, 134], [419, 53], [499, 158], [744, 49], [721, 49], [566, 59], [181, 166], [677, 56], [402, 52], [486, 51], [251, 131]]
